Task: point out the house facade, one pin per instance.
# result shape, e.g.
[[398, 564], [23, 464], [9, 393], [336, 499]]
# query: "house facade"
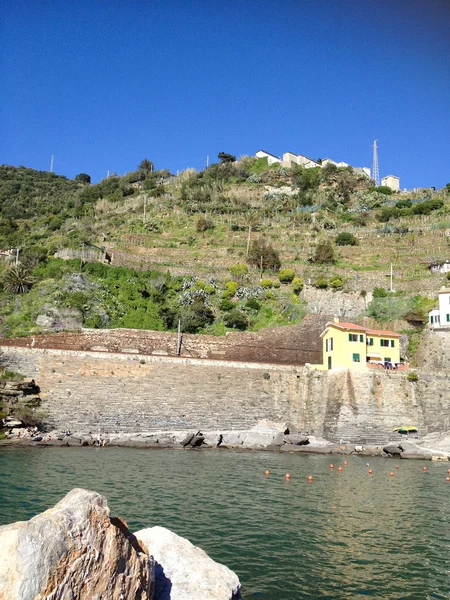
[[271, 159], [289, 159], [391, 181], [351, 346], [439, 318]]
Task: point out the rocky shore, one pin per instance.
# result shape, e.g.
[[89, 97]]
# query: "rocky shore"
[[77, 551], [266, 435]]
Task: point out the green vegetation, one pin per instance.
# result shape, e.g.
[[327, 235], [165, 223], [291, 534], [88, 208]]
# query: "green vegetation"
[[412, 377], [269, 229]]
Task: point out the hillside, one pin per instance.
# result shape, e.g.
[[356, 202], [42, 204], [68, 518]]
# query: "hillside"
[[187, 247]]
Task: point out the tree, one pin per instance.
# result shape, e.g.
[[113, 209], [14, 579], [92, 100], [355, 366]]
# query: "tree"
[[324, 253], [84, 178], [263, 255], [236, 319], [146, 165], [226, 158], [18, 280], [239, 271]]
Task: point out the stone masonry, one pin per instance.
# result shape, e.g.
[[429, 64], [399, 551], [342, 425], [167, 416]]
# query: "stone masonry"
[[120, 392]]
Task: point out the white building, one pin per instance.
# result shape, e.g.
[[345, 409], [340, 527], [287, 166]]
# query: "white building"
[[289, 158], [440, 317], [271, 159], [391, 181]]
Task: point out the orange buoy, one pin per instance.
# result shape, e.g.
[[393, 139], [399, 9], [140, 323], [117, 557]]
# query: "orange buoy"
[[267, 472], [345, 463], [448, 471], [331, 466], [310, 478], [447, 479], [391, 473], [397, 467], [340, 469], [288, 476], [424, 469], [370, 471]]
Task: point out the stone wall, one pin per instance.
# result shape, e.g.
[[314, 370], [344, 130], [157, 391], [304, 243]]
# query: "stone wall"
[[115, 392], [297, 344]]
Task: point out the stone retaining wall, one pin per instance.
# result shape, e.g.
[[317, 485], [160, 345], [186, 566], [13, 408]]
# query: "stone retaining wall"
[[112, 392]]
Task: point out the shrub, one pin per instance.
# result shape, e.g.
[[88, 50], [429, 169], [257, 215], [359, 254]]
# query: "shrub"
[[226, 304], [297, 285], [324, 253], [268, 283], [276, 284], [239, 271], [84, 178], [383, 189], [403, 204], [236, 319], [336, 283], [286, 275], [346, 239], [253, 304], [262, 255], [380, 292], [321, 283], [412, 377], [230, 289], [204, 224]]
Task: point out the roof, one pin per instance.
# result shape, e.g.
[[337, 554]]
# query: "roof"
[[304, 156], [268, 153], [353, 327], [444, 291], [386, 176]]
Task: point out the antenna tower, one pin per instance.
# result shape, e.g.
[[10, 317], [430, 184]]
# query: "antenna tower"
[[375, 173]]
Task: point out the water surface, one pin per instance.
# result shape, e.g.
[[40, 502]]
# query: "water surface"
[[345, 535]]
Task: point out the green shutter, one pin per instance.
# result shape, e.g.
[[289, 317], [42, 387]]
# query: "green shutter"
[[392, 343], [361, 337]]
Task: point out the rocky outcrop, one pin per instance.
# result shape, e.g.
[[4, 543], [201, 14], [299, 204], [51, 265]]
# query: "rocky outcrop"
[[74, 551], [186, 572]]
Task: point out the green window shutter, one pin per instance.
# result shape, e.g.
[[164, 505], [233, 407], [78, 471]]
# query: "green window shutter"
[[392, 343], [431, 320], [355, 357], [349, 337], [448, 317], [361, 337]]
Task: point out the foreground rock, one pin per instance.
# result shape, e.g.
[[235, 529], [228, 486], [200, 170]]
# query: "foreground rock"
[[185, 572], [73, 551]]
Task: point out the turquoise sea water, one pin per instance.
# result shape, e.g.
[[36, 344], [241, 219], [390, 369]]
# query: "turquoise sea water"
[[345, 535]]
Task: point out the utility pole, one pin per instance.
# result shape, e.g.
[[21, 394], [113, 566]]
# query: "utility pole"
[[391, 279], [51, 163], [375, 172], [107, 175]]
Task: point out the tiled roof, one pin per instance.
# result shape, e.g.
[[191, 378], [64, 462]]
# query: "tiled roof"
[[381, 332], [354, 327], [343, 325]]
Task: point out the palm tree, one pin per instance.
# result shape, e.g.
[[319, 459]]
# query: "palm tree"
[[18, 280]]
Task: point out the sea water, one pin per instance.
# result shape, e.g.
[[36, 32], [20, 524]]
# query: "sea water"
[[344, 535]]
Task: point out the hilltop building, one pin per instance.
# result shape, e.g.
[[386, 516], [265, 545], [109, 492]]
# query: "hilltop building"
[[271, 158], [439, 318], [351, 346], [289, 159], [391, 181]]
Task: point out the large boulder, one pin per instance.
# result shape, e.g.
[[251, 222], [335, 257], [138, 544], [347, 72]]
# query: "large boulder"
[[186, 572], [74, 551], [393, 449]]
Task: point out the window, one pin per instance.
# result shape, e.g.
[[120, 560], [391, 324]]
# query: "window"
[[329, 345], [384, 343], [356, 358], [370, 341], [387, 359], [353, 337], [392, 343]]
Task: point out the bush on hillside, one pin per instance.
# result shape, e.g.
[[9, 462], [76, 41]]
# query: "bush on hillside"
[[239, 271], [268, 283], [84, 178], [262, 255], [403, 204], [226, 304], [324, 253], [286, 275], [320, 283], [230, 289], [236, 319], [346, 238], [336, 283], [297, 285], [380, 292], [383, 189], [203, 224]]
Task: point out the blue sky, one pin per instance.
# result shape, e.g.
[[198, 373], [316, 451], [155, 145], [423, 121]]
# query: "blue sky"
[[101, 85]]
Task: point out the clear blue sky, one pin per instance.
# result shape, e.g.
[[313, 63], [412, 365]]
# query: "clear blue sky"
[[101, 85]]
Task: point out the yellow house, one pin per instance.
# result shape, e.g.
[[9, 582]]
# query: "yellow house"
[[350, 346]]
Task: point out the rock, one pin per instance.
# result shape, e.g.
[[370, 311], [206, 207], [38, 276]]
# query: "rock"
[[59, 318], [186, 572], [187, 440], [298, 439], [74, 551], [392, 449]]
